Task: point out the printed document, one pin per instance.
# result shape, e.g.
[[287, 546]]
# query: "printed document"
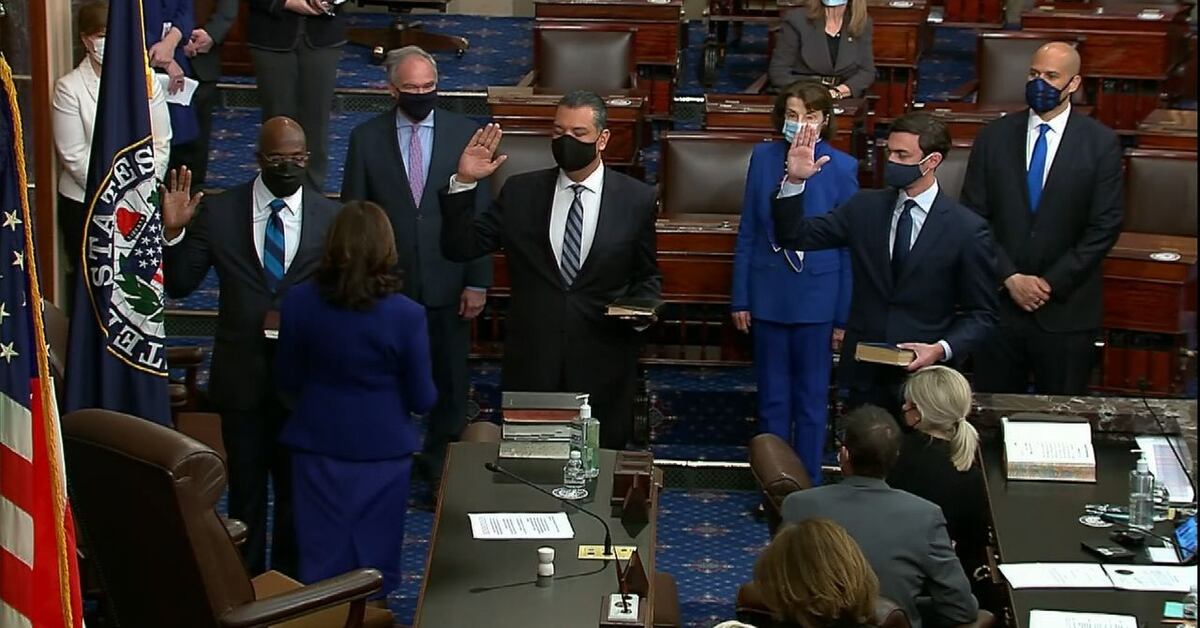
[[497, 526]]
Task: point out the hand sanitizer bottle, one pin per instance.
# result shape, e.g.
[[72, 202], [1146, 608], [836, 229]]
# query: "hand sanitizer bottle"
[[590, 427], [1141, 496]]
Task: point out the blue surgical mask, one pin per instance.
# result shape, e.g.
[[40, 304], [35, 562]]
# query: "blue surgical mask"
[[790, 129], [1041, 96], [833, 3], [900, 176]]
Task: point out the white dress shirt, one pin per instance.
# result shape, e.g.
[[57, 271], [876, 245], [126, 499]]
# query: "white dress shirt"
[[74, 117], [563, 197], [1058, 124]]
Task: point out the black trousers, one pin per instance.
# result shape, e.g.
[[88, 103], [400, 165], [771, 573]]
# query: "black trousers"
[[194, 154], [450, 345], [1061, 362], [299, 84], [71, 216], [252, 444]]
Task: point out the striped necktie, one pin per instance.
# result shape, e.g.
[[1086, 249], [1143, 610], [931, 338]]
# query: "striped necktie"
[[273, 245], [573, 238]]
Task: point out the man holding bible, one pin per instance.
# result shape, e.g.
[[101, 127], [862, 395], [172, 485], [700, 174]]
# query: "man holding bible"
[[577, 238], [923, 266]]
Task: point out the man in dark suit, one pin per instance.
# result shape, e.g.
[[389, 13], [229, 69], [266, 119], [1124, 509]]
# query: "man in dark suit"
[[296, 46], [903, 537], [577, 238], [204, 49], [1049, 183], [398, 160], [261, 237], [922, 264]]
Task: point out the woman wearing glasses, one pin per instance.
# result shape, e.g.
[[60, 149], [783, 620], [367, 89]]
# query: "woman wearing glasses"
[[794, 303]]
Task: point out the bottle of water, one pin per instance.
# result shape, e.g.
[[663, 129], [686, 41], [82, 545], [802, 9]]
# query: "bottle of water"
[[574, 478], [591, 439], [1189, 604], [1141, 496]]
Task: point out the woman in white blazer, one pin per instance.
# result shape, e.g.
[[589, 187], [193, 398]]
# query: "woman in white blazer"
[[75, 96]]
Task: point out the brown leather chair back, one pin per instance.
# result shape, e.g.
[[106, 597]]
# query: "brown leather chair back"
[[889, 615], [481, 432], [1002, 65], [595, 58], [705, 172], [953, 170], [1160, 192], [527, 150], [145, 497], [779, 473]]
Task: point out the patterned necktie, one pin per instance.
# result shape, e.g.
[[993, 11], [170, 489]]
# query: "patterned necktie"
[[903, 241], [572, 238], [273, 245], [1037, 168], [416, 165]]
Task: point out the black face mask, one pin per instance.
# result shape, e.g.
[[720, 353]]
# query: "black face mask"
[[416, 106], [571, 154], [284, 178], [901, 176]]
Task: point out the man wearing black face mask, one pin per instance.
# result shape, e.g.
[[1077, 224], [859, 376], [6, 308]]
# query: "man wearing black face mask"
[[577, 238], [1049, 183], [261, 237], [922, 264], [398, 160]]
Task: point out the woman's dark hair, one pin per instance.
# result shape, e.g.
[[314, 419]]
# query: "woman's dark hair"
[[359, 264], [92, 18], [815, 97]]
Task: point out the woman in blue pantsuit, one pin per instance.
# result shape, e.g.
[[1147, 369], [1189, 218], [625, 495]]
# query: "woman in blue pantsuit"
[[354, 360], [793, 302]]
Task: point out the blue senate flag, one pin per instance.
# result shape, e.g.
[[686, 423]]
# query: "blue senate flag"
[[117, 358]]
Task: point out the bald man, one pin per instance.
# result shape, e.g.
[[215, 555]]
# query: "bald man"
[[1048, 181], [261, 237]]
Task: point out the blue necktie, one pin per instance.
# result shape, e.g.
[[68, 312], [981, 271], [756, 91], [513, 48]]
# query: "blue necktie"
[[573, 238], [903, 241], [273, 251], [1037, 168]]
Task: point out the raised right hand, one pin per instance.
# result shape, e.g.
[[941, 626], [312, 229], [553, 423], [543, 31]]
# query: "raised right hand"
[[801, 159], [741, 321], [178, 207], [479, 159]]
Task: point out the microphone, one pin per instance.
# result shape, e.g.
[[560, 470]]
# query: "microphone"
[[1166, 541], [608, 547], [1162, 429]]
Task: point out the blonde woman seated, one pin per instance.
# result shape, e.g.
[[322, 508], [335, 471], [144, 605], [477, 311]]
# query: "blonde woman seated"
[[938, 458], [813, 575]]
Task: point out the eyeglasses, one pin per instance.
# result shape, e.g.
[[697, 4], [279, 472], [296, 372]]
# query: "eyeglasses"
[[279, 160]]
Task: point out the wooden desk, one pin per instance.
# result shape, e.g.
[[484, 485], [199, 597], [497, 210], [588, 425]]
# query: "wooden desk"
[[1149, 313], [1171, 129], [964, 120], [752, 112], [976, 13], [1127, 59], [655, 45], [532, 108], [1039, 522], [493, 583]]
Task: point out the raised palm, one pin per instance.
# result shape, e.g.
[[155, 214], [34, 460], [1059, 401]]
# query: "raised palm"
[[178, 203], [479, 159], [802, 161]]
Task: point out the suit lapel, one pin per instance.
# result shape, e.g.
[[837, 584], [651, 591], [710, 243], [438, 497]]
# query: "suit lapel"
[[544, 210], [820, 44], [605, 223], [399, 172], [306, 248], [931, 232], [1067, 153], [440, 154], [877, 248], [247, 245], [1019, 134]]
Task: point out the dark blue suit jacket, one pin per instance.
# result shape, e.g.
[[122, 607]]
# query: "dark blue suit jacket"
[[764, 283], [355, 377], [947, 290]]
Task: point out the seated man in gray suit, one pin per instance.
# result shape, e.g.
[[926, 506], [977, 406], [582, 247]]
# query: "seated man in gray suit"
[[903, 536]]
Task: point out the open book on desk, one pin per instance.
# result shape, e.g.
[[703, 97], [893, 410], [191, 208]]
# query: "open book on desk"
[[1047, 447]]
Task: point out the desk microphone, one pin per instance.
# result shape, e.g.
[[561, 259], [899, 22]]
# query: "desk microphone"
[[608, 546], [1168, 542]]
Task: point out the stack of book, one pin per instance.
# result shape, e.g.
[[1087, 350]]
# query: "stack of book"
[[538, 425]]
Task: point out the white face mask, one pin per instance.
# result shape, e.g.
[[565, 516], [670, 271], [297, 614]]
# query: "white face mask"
[[97, 53]]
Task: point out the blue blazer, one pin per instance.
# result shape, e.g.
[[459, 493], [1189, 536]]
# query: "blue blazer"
[[764, 283], [355, 377]]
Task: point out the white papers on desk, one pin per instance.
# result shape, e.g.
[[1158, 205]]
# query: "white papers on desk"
[[1060, 619], [1163, 555], [1056, 576], [1151, 577], [181, 97], [498, 526], [1165, 466]]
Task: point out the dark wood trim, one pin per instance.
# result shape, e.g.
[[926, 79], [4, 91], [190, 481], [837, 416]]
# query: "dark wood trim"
[[43, 147]]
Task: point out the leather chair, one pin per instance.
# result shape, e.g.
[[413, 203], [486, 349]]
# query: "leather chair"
[[597, 58], [752, 610], [527, 150], [144, 497], [1160, 192], [1002, 68], [704, 173], [778, 472], [953, 170], [480, 432]]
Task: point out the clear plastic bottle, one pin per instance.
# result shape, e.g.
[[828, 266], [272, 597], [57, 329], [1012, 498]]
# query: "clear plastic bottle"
[[1189, 604], [590, 431], [574, 478], [1141, 496]]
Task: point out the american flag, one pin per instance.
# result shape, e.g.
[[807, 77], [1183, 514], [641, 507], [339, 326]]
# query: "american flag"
[[39, 578]]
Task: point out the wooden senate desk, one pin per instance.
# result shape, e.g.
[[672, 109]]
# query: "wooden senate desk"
[[752, 112], [1149, 313], [1129, 52], [1169, 129], [493, 583], [1039, 522], [532, 108], [655, 43]]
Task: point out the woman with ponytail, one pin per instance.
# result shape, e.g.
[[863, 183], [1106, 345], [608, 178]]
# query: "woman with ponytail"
[[938, 458]]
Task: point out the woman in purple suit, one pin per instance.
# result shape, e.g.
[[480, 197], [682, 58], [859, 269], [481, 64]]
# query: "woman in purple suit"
[[794, 303], [354, 360]]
